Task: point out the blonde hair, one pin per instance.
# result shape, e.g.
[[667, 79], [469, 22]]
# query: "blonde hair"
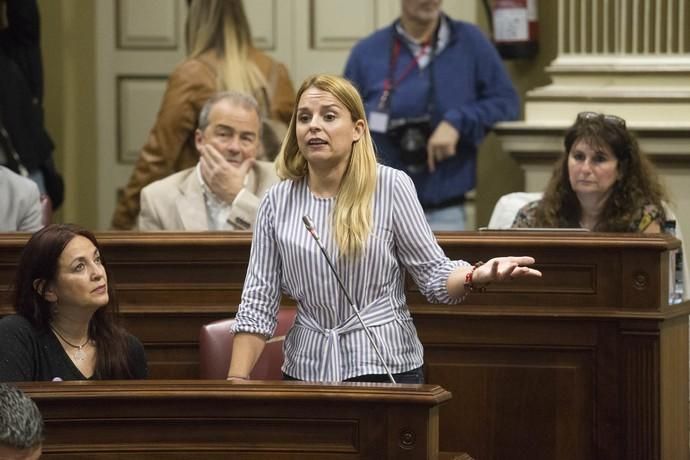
[[352, 213], [222, 26]]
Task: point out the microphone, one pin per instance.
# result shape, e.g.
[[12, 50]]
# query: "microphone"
[[310, 228]]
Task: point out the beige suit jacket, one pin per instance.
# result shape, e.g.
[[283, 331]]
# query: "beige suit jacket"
[[176, 203], [170, 146], [20, 203]]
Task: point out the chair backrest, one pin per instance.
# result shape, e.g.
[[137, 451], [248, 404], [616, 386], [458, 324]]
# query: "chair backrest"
[[215, 349], [507, 207]]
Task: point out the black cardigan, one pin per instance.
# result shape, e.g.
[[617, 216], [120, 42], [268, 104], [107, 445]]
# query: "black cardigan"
[[30, 355]]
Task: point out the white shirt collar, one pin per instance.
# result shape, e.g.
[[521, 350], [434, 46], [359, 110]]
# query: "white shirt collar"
[[217, 210], [416, 47]]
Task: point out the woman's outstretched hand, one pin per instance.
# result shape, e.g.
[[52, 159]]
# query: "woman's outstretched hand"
[[504, 269]]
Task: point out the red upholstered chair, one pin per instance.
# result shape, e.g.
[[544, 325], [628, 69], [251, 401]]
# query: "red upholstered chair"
[[215, 349]]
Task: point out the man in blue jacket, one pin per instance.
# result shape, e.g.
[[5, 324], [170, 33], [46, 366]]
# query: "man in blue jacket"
[[432, 87]]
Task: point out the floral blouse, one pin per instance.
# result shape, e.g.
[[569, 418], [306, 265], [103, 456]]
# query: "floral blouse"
[[526, 217]]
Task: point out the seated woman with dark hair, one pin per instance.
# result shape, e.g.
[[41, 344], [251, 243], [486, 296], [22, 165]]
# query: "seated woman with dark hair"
[[603, 183], [66, 322]]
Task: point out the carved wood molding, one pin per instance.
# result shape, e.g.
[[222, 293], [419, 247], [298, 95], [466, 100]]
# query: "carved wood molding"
[[542, 142], [218, 419]]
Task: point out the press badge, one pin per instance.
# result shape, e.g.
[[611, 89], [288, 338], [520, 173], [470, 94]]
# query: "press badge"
[[378, 122]]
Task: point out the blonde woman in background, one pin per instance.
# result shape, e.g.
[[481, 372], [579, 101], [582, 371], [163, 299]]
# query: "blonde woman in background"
[[221, 57]]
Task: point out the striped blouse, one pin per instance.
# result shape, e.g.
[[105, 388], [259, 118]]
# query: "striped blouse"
[[327, 343]]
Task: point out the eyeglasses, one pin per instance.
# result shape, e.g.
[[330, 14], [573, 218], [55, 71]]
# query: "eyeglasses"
[[616, 120]]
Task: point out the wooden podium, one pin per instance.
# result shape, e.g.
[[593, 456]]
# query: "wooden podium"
[[220, 420], [588, 362]]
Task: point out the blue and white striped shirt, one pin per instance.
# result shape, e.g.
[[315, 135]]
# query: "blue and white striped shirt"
[[327, 342]]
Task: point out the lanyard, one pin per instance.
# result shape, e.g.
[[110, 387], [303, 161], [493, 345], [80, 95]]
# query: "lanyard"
[[390, 82]]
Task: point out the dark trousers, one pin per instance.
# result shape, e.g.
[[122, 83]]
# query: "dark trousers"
[[413, 376]]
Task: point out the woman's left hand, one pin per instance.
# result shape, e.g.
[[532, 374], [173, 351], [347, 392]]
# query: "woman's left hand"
[[504, 268]]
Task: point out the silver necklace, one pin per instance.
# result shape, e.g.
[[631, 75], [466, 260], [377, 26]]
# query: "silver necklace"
[[80, 354]]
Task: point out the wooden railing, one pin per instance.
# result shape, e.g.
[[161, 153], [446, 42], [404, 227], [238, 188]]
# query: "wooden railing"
[[589, 361], [220, 420], [624, 27]]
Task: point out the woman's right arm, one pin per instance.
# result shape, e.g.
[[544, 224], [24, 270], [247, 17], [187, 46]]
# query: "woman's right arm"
[[256, 318], [246, 349]]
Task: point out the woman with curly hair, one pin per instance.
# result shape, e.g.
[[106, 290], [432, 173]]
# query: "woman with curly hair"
[[603, 183]]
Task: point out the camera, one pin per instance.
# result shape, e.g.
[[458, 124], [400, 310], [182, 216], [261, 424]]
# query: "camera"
[[411, 136]]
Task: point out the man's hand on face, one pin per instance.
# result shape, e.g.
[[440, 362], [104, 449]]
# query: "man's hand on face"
[[225, 179]]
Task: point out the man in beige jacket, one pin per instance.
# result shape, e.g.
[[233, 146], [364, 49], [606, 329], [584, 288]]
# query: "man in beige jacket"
[[223, 191]]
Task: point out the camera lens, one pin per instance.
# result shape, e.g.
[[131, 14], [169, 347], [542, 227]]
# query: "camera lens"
[[412, 140]]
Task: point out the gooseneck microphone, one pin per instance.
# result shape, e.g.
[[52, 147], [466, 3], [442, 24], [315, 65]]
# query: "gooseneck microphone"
[[310, 228]]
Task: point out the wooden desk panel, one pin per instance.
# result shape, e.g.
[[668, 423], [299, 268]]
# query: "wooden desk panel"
[[587, 362], [168, 285], [219, 420]]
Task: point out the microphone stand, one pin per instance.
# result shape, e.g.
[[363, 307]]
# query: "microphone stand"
[[310, 228]]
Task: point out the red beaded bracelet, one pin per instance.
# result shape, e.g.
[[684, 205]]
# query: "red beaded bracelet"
[[469, 284]]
